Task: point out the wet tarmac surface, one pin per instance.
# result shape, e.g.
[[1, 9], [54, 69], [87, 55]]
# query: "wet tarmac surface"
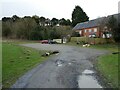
[[88, 80], [71, 68]]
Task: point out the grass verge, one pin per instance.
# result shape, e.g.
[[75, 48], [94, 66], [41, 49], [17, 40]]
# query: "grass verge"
[[108, 67], [110, 47], [16, 60]]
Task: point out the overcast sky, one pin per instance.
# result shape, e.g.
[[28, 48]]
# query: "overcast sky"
[[57, 8]]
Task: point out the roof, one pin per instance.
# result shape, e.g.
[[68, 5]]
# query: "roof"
[[88, 24], [93, 23]]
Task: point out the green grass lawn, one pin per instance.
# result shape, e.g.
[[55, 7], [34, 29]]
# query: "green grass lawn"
[[108, 66], [16, 60], [110, 47], [19, 41]]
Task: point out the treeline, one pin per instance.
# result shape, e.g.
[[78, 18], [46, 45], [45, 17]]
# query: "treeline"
[[38, 28], [35, 27]]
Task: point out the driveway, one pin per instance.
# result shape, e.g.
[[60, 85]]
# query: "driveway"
[[62, 70]]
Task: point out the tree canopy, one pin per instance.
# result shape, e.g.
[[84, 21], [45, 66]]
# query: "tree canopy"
[[78, 16], [114, 27], [64, 22], [33, 28], [54, 21], [36, 18]]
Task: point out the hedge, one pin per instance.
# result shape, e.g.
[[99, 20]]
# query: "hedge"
[[91, 40]]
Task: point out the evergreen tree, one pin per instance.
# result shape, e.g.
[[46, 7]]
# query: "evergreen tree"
[[78, 16]]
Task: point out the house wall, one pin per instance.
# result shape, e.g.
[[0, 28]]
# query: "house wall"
[[87, 31], [90, 31], [80, 32]]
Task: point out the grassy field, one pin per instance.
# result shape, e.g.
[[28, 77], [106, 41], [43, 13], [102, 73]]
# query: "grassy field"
[[18, 41], [108, 66], [16, 60], [110, 47]]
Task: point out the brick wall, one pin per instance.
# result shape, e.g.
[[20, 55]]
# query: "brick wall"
[[88, 31]]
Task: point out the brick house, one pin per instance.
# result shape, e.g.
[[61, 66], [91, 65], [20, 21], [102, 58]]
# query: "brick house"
[[89, 28], [92, 28]]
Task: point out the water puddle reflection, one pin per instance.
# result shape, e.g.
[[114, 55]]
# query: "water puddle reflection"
[[59, 62], [87, 80]]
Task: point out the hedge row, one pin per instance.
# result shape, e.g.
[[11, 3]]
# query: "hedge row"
[[91, 40]]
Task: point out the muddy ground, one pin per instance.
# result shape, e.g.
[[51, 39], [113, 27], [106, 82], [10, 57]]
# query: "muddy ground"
[[62, 70]]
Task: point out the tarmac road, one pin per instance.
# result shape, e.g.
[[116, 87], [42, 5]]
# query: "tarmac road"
[[60, 71]]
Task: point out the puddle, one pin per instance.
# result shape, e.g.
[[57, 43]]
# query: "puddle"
[[59, 63], [87, 80], [69, 63], [57, 54], [73, 60], [87, 72]]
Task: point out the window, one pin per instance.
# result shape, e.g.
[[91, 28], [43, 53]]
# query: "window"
[[95, 29], [80, 32], [90, 30], [85, 31]]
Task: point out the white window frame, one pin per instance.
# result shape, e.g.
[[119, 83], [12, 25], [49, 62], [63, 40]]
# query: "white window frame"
[[80, 32], [95, 29]]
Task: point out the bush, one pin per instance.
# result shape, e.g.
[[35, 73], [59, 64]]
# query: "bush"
[[91, 40]]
